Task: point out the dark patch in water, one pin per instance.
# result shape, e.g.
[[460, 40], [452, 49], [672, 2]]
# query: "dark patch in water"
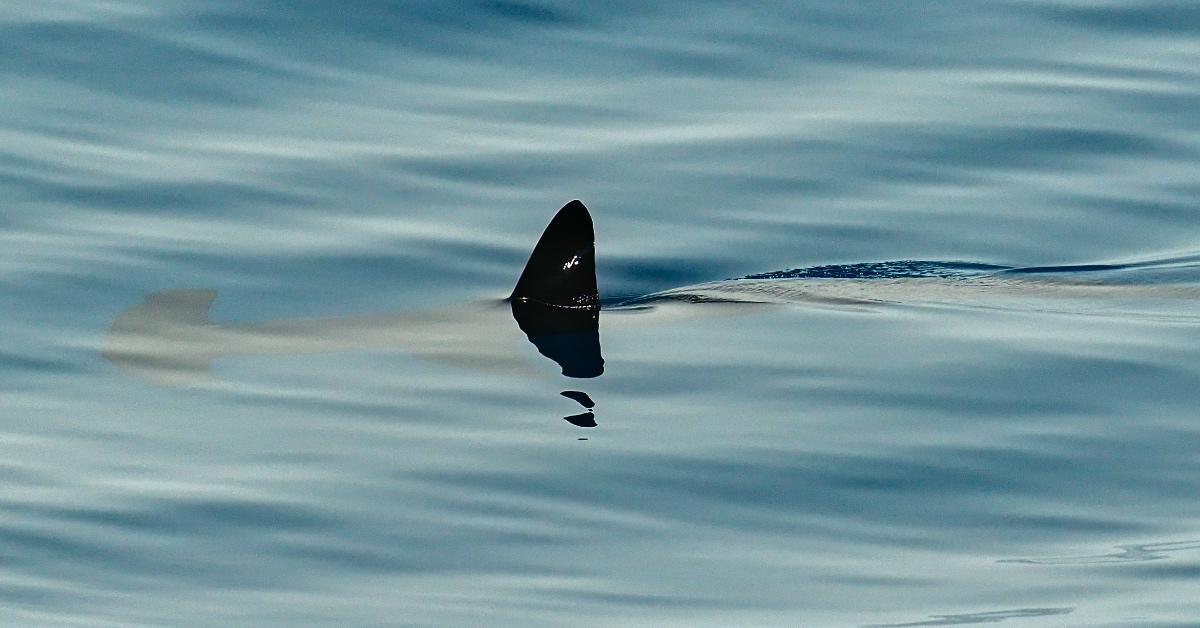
[[528, 12], [1078, 268], [987, 617], [583, 419], [580, 396], [1124, 554], [1169, 17]]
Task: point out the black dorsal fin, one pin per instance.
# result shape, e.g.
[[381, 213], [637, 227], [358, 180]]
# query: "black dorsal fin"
[[562, 269]]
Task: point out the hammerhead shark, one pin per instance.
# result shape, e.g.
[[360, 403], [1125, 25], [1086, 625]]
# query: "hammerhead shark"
[[169, 340]]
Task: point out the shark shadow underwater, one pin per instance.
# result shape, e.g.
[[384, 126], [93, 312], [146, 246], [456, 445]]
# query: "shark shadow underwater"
[[168, 339]]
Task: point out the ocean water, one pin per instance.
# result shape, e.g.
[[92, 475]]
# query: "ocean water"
[[927, 462]]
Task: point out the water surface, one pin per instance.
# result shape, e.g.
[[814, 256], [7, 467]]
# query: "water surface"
[[917, 464]]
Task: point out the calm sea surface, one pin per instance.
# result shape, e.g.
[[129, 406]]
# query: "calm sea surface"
[[916, 465]]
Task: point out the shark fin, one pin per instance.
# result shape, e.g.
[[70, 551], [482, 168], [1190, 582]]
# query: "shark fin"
[[561, 272]]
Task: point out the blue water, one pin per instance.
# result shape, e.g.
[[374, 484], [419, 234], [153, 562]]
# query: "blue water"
[[793, 466]]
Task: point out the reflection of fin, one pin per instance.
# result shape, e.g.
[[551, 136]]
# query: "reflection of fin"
[[580, 396], [1124, 554], [561, 271], [586, 419], [568, 335], [156, 339]]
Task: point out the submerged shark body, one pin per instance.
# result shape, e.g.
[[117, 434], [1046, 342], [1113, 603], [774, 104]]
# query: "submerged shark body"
[[169, 340]]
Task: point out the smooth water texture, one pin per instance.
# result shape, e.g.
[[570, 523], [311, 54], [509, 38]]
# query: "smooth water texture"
[[1018, 458]]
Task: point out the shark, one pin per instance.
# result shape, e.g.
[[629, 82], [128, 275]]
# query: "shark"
[[169, 338]]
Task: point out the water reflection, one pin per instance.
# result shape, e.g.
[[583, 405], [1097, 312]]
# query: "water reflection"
[[988, 617], [569, 337], [580, 396], [583, 419], [1125, 554]]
